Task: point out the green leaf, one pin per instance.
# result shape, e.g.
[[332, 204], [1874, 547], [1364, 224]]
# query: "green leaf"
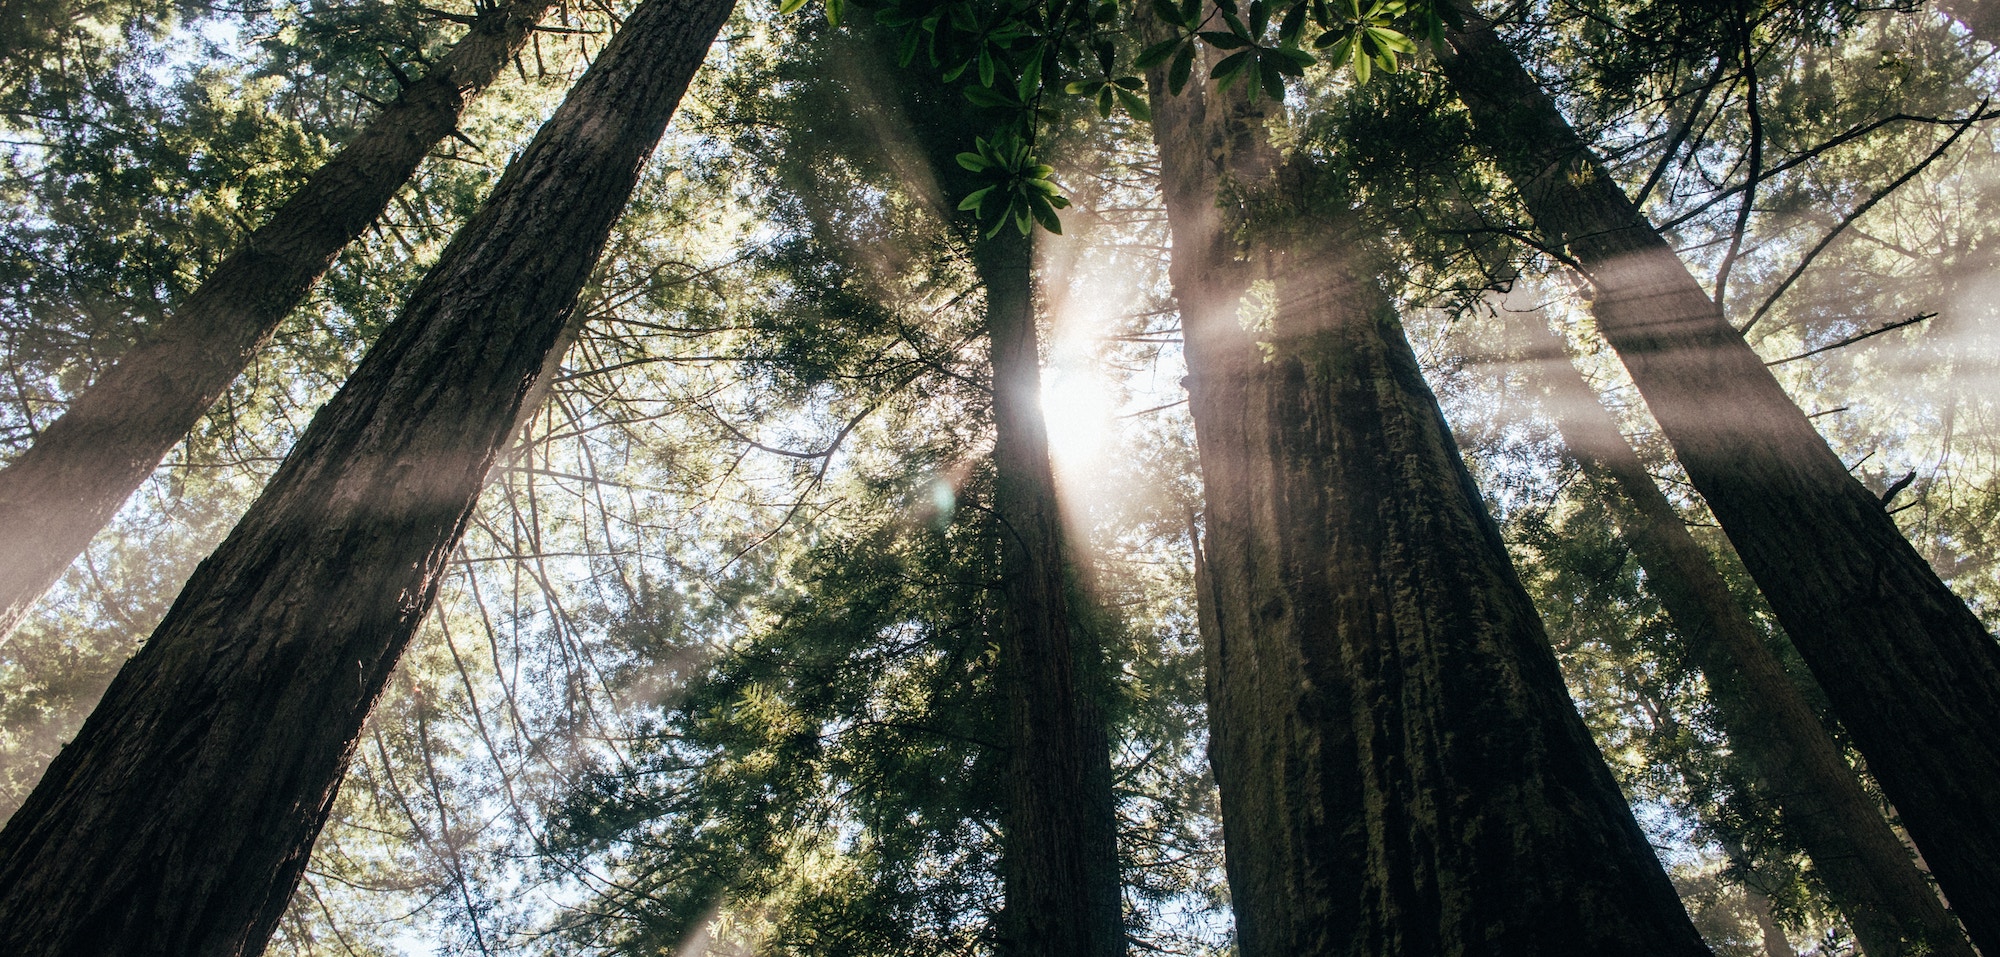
[[981, 96], [1170, 14], [986, 68], [1272, 75], [1158, 52], [1294, 24], [975, 199], [1177, 77], [833, 11], [1224, 41], [1105, 101], [1391, 40], [1260, 18], [974, 162], [1231, 64], [1082, 87], [1031, 76], [1045, 214], [1134, 104], [1190, 13], [1130, 82], [790, 6]]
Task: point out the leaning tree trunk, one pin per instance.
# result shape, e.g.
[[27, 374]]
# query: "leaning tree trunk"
[[1912, 673], [1401, 768], [82, 467], [1867, 871], [1060, 867], [180, 818]]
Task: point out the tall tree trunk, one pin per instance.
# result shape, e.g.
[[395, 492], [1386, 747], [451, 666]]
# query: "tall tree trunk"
[[1979, 17], [1866, 869], [1912, 673], [64, 488], [1060, 870], [180, 818], [1402, 770]]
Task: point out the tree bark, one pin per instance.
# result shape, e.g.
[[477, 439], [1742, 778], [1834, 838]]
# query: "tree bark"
[[1061, 871], [1401, 768], [1865, 867], [83, 466], [179, 820], [1912, 673]]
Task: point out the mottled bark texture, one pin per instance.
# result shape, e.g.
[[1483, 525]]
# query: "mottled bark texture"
[[180, 818], [82, 467], [1912, 673], [1401, 768], [1059, 825], [1794, 761]]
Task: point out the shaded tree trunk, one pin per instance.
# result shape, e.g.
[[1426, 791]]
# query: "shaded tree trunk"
[[179, 820], [1061, 869], [83, 466], [1912, 673], [1979, 17], [1866, 869], [1401, 768]]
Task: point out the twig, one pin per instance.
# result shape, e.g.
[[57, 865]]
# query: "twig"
[[1850, 340]]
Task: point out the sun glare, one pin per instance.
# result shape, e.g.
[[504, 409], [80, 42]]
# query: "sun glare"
[[1078, 407]]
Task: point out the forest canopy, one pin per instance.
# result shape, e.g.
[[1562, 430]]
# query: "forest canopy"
[[1026, 478]]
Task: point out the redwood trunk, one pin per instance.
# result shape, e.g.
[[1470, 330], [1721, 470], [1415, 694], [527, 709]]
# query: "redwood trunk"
[[179, 820], [1979, 17], [64, 488], [1401, 768], [1912, 673], [1866, 869], [1060, 870]]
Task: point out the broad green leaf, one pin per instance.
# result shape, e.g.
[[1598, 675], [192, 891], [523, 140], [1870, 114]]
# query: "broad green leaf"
[[1159, 52], [1134, 104], [1183, 67]]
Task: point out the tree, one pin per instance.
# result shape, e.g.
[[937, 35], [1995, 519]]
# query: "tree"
[[1401, 769], [1913, 674], [1061, 858], [83, 466], [221, 744], [1865, 867]]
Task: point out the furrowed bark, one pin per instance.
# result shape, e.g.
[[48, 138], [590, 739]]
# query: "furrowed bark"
[[179, 820], [1401, 768], [84, 465], [1912, 673], [1061, 871], [1866, 870]]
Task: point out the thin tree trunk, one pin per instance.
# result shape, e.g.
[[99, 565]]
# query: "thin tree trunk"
[[1912, 673], [1401, 768], [83, 466], [1060, 870], [179, 820], [1866, 869]]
